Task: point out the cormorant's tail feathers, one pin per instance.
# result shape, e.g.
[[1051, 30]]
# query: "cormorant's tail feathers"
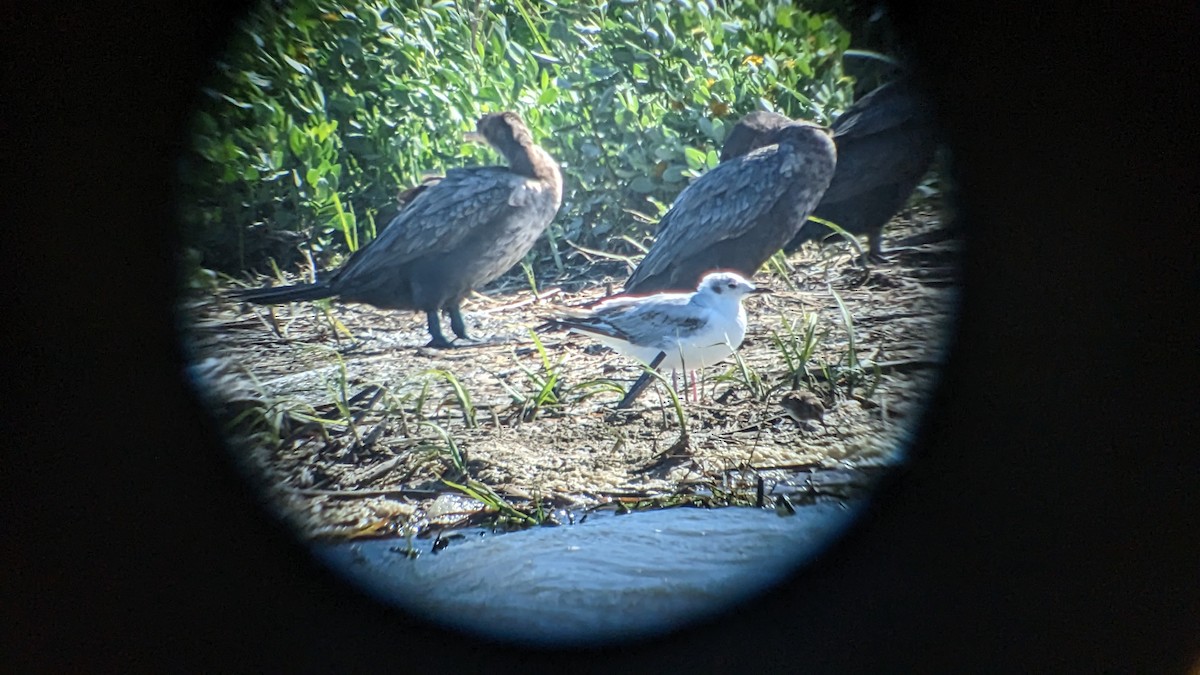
[[274, 295]]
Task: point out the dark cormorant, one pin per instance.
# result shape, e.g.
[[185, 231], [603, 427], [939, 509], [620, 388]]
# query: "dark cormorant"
[[740, 213], [456, 233], [885, 144]]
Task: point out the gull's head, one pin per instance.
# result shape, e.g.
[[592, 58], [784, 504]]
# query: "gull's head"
[[726, 285]]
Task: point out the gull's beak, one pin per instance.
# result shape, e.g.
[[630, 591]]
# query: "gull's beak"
[[474, 137], [761, 289]]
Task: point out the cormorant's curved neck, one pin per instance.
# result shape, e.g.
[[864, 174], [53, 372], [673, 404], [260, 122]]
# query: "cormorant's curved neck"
[[526, 158]]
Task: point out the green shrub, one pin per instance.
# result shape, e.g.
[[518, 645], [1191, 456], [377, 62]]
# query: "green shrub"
[[320, 113]]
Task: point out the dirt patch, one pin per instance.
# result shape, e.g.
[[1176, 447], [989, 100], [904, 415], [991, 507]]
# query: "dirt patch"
[[352, 426]]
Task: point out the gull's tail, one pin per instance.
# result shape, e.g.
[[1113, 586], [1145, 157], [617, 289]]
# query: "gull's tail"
[[582, 324], [571, 316], [555, 324], [550, 325], [274, 295]]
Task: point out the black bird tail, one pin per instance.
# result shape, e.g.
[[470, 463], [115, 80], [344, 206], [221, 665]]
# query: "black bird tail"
[[558, 324], [550, 325], [274, 295]]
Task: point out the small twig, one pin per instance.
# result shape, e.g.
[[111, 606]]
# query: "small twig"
[[521, 303], [368, 440], [362, 494], [676, 453], [624, 497], [366, 391], [599, 254], [381, 469], [886, 367], [894, 316], [757, 426], [803, 466]]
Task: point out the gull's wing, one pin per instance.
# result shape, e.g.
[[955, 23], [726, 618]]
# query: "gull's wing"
[[722, 204], [655, 321], [644, 321], [441, 216]]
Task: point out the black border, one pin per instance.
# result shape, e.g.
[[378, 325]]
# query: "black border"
[[1049, 520]]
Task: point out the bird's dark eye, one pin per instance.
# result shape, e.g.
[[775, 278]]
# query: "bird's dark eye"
[[732, 284]]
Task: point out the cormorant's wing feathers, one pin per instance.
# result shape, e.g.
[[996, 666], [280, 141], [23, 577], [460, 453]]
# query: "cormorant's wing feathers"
[[442, 215], [721, 204], [887, 134], [881, 159], [885, 108]]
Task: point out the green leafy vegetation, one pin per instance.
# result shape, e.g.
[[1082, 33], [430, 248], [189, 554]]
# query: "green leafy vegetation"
[[796, 345], [320, 113], [481, 492], [461, 395], [851, 369], [543, 384]]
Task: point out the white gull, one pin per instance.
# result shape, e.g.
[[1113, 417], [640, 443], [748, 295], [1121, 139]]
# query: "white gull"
[[680, 331]]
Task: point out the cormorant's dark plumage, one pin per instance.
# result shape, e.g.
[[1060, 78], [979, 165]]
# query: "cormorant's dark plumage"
[[885, 144], [456, 233], [741, 212], [406, 196]]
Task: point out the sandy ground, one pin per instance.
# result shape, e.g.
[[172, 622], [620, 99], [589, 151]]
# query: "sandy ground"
[[392, 417]]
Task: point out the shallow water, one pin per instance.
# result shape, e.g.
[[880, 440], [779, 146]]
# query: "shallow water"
[[604, 579]]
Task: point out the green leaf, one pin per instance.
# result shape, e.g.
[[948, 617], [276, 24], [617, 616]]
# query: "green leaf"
[[297, 66], [296, 141], [642, 185], [665, 154], [325, 129]]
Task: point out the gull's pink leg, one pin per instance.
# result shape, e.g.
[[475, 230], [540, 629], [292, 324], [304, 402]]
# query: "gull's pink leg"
[[695, 393]]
